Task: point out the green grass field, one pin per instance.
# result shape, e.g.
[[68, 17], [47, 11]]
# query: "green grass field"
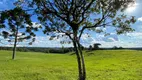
[[100, 65]]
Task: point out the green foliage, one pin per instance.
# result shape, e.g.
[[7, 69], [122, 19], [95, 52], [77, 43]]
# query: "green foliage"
[[100, 65]]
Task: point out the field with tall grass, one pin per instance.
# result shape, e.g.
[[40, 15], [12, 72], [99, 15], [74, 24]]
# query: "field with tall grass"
[[100, 65]]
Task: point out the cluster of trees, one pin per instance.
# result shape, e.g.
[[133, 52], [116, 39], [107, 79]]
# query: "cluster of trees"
[[70, 17], [95, 46], [115, 47]]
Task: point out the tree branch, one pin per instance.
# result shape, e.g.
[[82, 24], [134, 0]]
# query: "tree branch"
[[83, 13]]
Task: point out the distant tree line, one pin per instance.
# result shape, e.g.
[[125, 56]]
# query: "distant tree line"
[[60, 50], [40, 49]]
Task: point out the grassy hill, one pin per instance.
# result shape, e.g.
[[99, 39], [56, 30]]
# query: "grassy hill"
[[101, 65]]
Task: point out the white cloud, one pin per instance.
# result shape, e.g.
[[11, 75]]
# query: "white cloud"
[[110, 38], [43, 41], [34, 25], [100, 38], [105, 41], [134, 34], [140, 19]]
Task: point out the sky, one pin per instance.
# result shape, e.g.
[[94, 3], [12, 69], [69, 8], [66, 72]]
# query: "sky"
[[133, 39]]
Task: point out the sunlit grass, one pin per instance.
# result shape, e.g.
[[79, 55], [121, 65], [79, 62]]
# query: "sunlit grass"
[[101, 65]]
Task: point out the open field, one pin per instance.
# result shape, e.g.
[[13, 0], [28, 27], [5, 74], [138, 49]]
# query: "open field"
[[101, 65]]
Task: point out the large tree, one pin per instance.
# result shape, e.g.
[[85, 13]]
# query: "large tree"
[[73, 17], [17, 27]]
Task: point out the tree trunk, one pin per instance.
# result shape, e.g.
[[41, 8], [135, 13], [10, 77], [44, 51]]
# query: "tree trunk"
[[78, 61], [14, 50], [15, 44], [80, 58]]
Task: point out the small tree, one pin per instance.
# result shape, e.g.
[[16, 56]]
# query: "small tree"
[[115, 47], [17, 27], [73, 17], [96, 46]]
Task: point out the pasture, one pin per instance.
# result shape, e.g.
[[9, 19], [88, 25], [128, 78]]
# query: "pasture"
[[100, 65]]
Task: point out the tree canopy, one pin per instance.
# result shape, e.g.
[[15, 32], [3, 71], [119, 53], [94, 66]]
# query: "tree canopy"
[[64, 16]]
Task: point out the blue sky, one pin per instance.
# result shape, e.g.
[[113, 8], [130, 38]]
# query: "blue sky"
[[133, 39]]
